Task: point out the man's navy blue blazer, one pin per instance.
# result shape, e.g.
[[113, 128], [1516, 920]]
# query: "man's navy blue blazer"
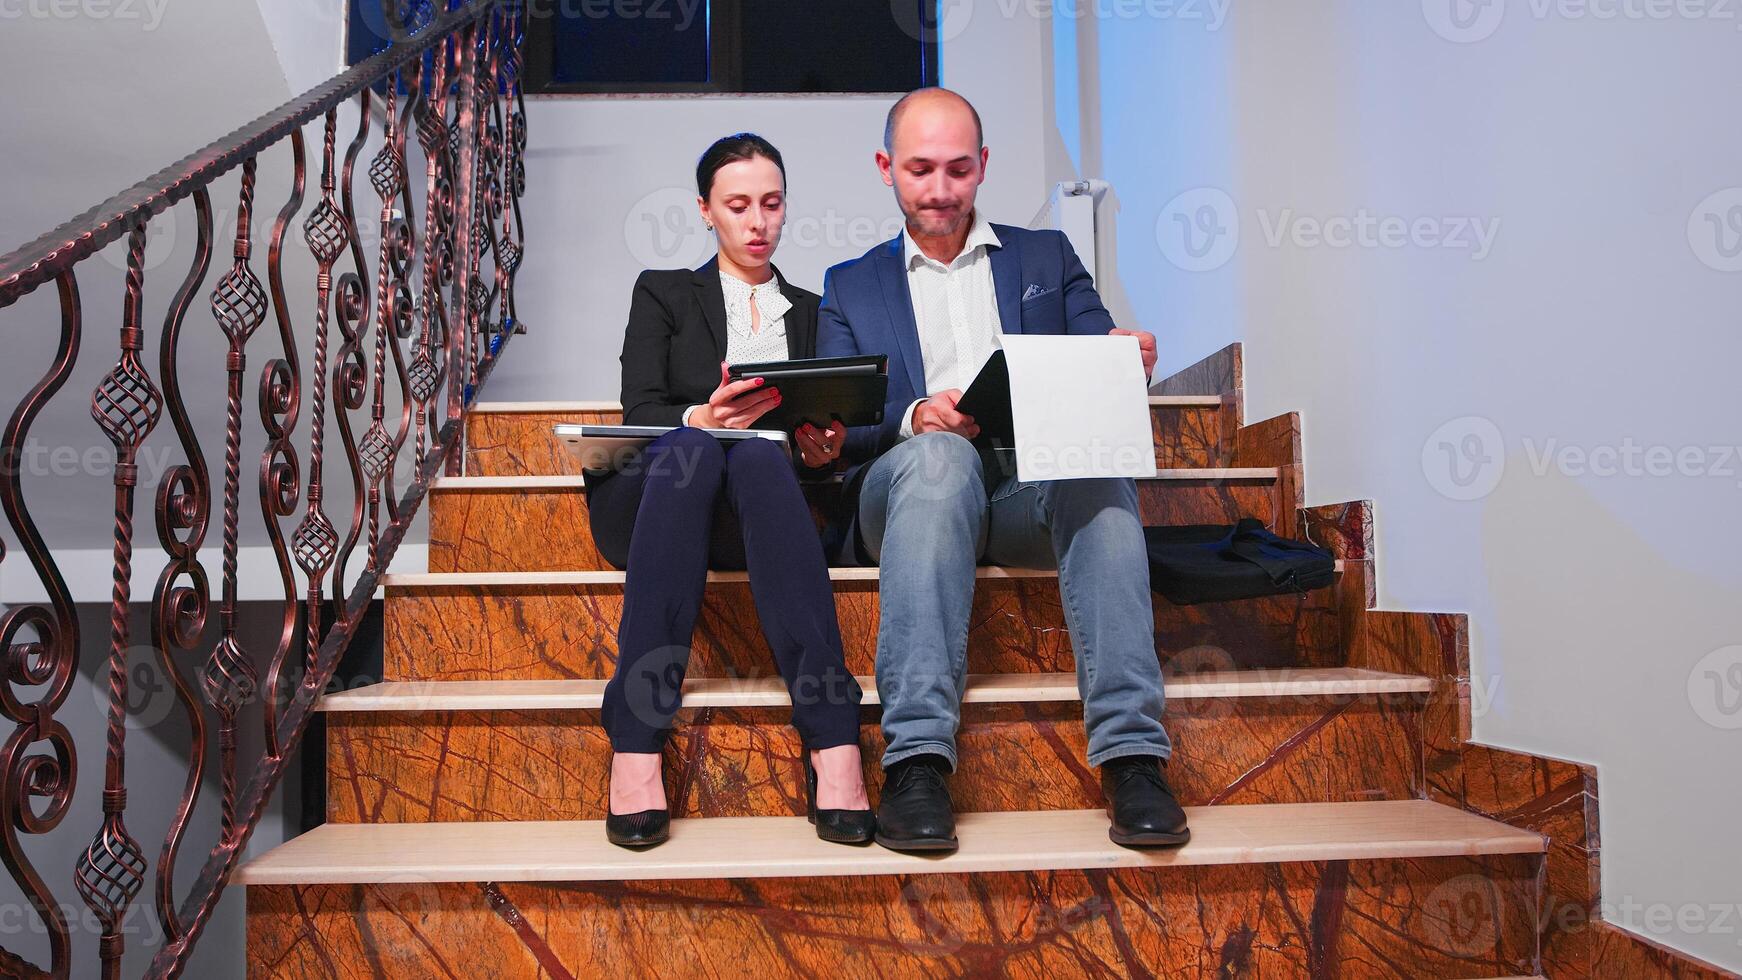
[[1041, 285]]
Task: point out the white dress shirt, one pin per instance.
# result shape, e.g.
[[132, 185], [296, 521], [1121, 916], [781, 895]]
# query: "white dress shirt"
[[745, 344], [955, 307]]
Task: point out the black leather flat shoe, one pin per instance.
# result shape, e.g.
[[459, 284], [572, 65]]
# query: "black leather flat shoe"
[[644, 829], [836, 826], [1143, 810], [914, 813]]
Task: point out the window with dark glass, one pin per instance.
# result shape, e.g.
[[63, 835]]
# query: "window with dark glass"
[[731, 46], [724, 46]]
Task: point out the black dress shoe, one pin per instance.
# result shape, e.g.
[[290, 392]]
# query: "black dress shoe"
[[643, 829], [836, 826], [1142, 807], [914, 814]]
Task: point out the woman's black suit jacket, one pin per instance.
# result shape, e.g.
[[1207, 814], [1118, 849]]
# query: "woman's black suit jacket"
[[677, 338]]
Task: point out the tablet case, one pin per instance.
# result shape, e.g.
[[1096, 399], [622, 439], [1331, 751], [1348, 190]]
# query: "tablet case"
[[820, 389]]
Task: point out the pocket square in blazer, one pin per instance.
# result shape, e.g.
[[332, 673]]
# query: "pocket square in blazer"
[[1036, 289]]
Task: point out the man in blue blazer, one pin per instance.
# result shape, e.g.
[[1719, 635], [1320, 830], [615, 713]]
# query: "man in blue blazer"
[[928, 507]]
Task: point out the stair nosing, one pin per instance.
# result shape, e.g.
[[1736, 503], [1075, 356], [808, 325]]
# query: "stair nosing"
[[406, 697], [551, 408], [848, 573], [460, 484], [778, 847]]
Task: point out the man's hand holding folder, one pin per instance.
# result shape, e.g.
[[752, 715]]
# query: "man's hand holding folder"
[[989, 396], [938, 414]]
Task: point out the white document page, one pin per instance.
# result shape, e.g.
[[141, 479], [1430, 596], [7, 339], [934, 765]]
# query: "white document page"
[[1080, 407]]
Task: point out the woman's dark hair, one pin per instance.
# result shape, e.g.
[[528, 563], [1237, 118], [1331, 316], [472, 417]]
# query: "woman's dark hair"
[[738, 146]]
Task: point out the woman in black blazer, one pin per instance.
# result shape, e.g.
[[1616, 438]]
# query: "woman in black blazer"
[[686, 504]]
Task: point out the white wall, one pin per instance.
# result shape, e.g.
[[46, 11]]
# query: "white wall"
[[1602, 592], [611, 191]]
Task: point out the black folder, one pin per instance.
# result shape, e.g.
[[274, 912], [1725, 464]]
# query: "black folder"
[[987, 402], [821, 389]]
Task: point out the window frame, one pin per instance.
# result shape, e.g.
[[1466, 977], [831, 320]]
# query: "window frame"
[[725, 62]]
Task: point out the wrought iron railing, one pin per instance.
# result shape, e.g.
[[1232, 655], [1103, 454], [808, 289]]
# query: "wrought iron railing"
[[419, 325]]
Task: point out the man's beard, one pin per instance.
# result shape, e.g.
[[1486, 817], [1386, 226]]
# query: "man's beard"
[[936, 224]]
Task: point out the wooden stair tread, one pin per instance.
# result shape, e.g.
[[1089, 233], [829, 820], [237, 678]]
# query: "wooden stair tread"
[[454, 484], [727, 692], [413, 580], [558, 407], [783, 847]]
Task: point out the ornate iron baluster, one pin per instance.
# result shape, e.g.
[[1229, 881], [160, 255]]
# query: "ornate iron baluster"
[[50, 661], [315, 543], [229, 680], [126, 406], [350, 367], [458, 353], [280, 477], [178, 615], [405, 253], [438, 260], [387, 175], [472, 153], [507, 186]]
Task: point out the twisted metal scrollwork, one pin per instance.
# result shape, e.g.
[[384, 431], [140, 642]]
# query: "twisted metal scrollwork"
[[178, 609], [126, 406], [38, 763], [439, 312]]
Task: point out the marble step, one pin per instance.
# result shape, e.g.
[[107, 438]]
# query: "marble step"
[[514, 438], [478, 523], [507, 750], [767, 692], [562, 625], [786, 847], [1411, 917]]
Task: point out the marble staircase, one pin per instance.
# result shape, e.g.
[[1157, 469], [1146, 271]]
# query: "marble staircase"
[[1343, 822]]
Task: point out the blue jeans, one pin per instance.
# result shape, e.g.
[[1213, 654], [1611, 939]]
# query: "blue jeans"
[[925, 516]]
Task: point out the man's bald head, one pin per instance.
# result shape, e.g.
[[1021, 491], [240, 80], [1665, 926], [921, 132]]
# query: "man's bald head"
[[929, 99]]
